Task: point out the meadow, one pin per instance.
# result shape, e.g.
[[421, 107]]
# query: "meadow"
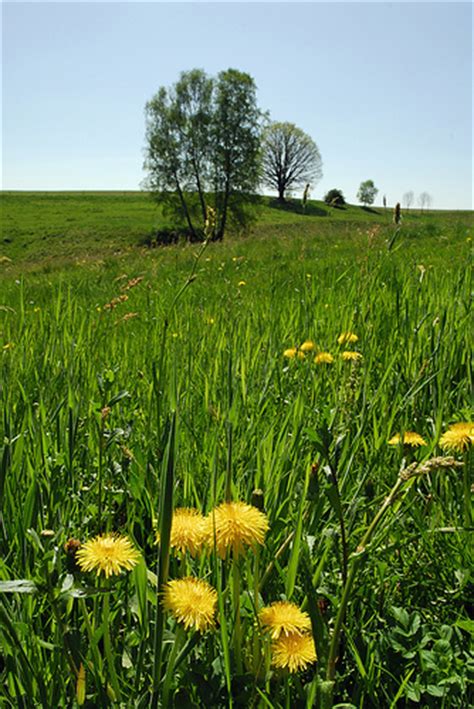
[[332, 561]]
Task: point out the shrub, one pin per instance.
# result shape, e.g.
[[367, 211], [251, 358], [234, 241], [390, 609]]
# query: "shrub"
[[335, 198]]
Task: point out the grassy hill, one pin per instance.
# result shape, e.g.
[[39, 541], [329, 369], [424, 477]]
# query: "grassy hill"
[[55, 228], [294, 361]]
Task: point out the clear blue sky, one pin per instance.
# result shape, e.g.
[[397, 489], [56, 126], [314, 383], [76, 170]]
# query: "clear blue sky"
[[385, 89]]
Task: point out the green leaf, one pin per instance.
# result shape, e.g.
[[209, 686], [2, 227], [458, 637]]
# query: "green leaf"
[[18, 586], [467, 625]]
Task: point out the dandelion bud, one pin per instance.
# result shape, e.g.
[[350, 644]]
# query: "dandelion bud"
[[313, 486], [258, 499]]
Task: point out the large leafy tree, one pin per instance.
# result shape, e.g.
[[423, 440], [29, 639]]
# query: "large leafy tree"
[[367, 192], [290, 158], [202, 148]]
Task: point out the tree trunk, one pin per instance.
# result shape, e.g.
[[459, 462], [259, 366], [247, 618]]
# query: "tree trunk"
[[185, 208]]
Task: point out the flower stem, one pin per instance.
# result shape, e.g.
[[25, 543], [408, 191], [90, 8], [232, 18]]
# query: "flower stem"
[[237, 625], [467, 490], [171, 665], [346, 593], [108, 647]]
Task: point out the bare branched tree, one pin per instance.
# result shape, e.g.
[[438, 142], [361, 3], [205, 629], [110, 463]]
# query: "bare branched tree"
[[290, 158], [424, 200], [408, 199]]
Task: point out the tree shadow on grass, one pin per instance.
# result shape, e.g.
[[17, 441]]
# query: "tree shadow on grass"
[[370, 210], [295, 206]]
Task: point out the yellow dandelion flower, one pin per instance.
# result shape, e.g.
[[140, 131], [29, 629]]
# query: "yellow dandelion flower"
[[293, 652], [235, 525], [347, 337], [284, 618], [324, 358], [108, 553], [192, 602], [307, 346], [293, 352], [410, 438], [348, 356], [187, 531], [242, 283], [458, 437]]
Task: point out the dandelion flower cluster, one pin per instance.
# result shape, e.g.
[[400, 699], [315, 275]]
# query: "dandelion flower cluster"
[[192, 602], [284, 618], [307, 346], [107, 553], [293, 652], [351, 356], [346, 337], [324, 358], [458, 437], [292, 646], [187, 531], [410, 438], [235, 526], [293, 352]]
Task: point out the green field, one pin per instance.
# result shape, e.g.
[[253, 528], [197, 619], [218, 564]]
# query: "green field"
[[123, 399]]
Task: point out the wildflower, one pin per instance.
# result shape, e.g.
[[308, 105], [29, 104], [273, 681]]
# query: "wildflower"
[[293, 652], [192, 602], [349, 356], [293, 352], [235, 525], [347, 337], [307, 346], [109, 553], [132, 283], [210, 222], [242, 283], [187, 531], [458, 437], [430, 466], [116, 301], [410, 438], [284, 618], [324, 358]]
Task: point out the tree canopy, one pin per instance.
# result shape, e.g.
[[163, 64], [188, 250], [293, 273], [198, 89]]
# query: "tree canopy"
[[334, 198], [367, 192], [290, 158], [202, 148]]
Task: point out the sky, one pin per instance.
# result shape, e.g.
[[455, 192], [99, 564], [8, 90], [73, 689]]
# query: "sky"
[[384, 89]]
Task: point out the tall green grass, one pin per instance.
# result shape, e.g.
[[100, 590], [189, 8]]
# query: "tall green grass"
[[202, 399]]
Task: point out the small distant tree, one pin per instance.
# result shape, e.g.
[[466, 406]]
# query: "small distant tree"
[[424, 200], [290, 158], [384, 202], [334, 198], [367, 192], [408, 199]]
